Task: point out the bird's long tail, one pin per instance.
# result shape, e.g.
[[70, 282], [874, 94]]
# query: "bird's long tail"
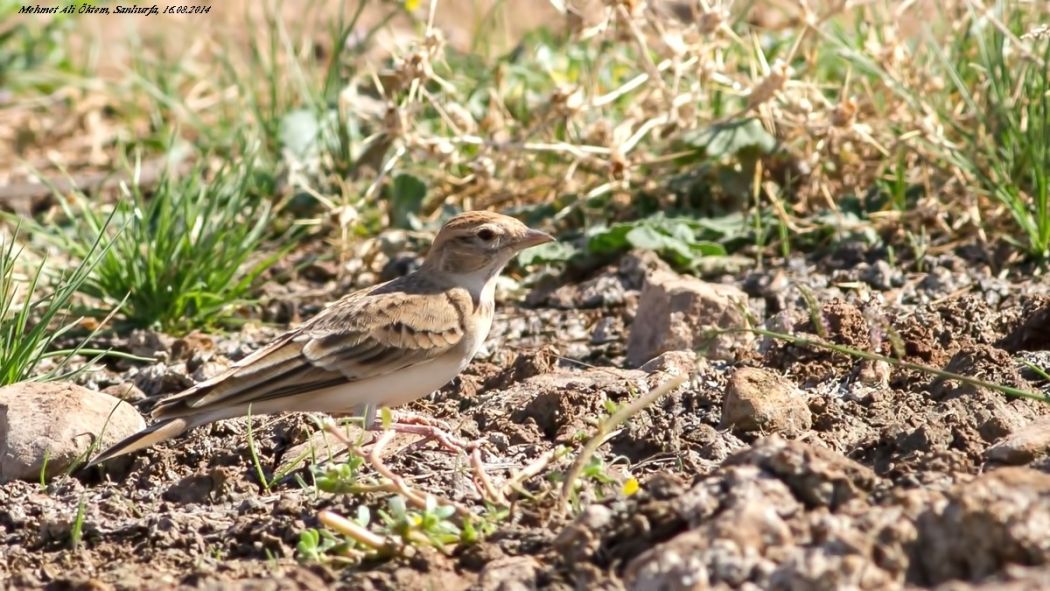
[[161, 431]]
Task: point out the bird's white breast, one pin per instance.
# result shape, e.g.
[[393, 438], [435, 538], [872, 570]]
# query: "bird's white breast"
[[483, 320]]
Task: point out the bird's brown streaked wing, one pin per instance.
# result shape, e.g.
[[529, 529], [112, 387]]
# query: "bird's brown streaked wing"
[[355, 339], [269, 367], [413, 327]]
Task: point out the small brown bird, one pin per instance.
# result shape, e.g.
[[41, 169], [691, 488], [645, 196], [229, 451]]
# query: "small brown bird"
[[378, 347]]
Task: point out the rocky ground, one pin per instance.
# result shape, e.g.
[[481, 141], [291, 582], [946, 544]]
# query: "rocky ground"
[[774, 466]]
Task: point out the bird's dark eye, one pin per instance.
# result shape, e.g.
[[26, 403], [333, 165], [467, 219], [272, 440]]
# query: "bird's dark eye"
[[486, 234]]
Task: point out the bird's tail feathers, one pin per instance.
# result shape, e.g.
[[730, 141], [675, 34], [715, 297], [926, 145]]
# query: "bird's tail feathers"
[[161, 431]]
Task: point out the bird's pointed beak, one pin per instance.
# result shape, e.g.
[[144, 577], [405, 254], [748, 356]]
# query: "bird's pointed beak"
[[535, 238]]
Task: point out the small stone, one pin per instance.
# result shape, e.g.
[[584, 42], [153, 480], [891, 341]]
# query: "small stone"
[[759, 400], [209, 370], [507, 288], [320, 271], [399, 265], [679, 312], [582, 538], [735, 521], [638, 265], [677, 564], [602, 291], [147, 343], [160, 378], [943, 280], [675, 363], [57, 422], [128, 392], [816, 475], [882, 276], [513, 573], [191, 345], [394, 240], [365, 278], [608, 329], [875, 374], [1022, 446]]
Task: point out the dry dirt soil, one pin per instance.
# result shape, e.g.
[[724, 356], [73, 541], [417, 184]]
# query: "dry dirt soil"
[[884, 478], [873, 477]]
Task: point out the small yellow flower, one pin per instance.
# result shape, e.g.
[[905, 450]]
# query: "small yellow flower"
[[411, 5], [631, 486]]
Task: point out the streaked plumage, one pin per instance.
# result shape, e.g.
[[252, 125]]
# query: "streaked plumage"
[[381, 346]]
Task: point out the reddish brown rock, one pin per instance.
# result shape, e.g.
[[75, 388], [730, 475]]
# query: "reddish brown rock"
[[760, 400], [677, 312]]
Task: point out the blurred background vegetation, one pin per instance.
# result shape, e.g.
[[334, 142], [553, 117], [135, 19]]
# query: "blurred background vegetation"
[[177, 158]]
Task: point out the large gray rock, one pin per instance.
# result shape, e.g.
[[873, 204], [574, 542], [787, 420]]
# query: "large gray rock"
[[59, 421], [677, 312]]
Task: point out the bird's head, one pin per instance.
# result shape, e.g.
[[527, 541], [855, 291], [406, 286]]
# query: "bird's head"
[[479, 244]]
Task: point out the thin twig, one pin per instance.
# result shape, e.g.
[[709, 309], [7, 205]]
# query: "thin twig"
[[608, 426], [643, 50], [482, 481], [348, 528], [518, 479]]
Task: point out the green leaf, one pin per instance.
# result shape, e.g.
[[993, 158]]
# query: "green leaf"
[[729, 139], [706, 248], [406, 198], [300, 130], [551, 252], [603, 241], [675, 239], [648, 238]]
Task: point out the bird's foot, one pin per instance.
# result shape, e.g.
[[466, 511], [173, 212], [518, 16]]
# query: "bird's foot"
[[436, 430], [411, 418], [482, 483], [428, 428]]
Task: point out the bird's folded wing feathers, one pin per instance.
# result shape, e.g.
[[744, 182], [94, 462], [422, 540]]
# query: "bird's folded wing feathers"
[[355, 339]]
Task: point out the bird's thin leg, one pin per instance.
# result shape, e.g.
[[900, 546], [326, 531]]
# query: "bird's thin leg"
[[428, 428], [405, 417], [424, 427], [443, 438], [369, 416], [375, 458]]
